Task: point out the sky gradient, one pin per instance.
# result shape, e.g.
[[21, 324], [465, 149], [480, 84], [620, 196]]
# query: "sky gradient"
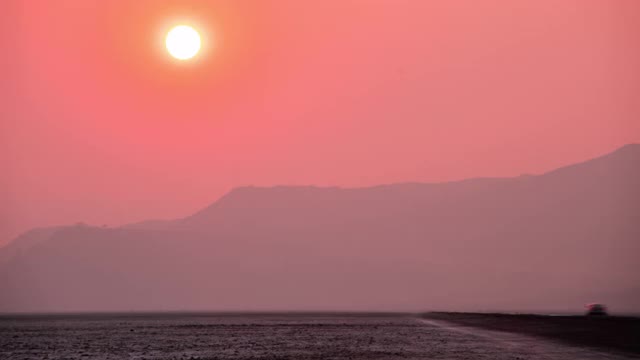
[[100, 125]]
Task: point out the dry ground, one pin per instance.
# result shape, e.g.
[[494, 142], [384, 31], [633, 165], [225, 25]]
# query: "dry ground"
[[266, 336]]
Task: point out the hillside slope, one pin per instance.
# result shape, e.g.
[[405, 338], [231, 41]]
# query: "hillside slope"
[[547, 242]]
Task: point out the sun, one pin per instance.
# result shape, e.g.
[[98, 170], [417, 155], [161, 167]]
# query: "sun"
[[183, 42]]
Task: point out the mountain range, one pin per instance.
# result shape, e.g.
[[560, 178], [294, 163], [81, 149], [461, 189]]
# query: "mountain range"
[[549, 242]]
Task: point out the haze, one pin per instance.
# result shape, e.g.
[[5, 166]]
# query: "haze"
[[531, 243], [286, 130], [98, 126]]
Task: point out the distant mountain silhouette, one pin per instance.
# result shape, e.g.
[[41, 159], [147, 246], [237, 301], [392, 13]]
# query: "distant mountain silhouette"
[[532, 243]]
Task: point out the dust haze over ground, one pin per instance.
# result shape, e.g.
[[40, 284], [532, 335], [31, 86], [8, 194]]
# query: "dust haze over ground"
[[549, 242], [270, 336]]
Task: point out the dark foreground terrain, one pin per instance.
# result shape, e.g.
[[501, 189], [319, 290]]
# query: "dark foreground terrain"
[[615, 333], [268, 336]]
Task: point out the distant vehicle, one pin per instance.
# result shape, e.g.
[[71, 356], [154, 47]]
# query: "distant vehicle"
[[596, 310]]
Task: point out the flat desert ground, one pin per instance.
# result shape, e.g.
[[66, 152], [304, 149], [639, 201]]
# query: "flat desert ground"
[[310, 336]]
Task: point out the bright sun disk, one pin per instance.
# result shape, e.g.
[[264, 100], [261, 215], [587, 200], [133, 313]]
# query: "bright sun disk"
[[183, 42]]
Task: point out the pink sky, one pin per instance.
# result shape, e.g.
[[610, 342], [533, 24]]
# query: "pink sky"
[[99, 125]]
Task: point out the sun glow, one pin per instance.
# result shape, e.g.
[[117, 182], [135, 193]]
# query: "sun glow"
[[183, 42]]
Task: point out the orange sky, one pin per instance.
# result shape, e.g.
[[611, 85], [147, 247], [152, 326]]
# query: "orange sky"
[[99, 125]]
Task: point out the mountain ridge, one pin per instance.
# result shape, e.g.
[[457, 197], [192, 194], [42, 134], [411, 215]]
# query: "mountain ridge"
[[549, 241], [631, 149]]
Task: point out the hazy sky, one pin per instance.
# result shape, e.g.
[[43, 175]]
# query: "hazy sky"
[[99, 125]]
